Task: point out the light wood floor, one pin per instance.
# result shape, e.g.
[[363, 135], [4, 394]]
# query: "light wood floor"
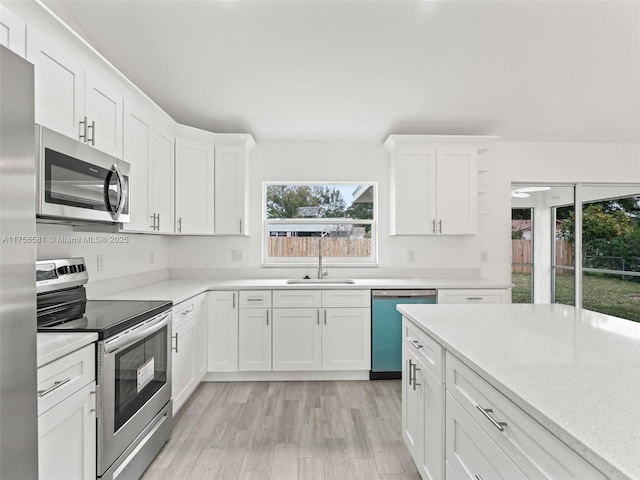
[[288, 430]]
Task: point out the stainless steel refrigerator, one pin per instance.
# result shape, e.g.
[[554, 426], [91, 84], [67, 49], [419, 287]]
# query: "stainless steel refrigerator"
[[18, 404]]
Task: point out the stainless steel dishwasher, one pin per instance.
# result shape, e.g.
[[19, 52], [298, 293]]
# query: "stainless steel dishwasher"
[[386, 329]]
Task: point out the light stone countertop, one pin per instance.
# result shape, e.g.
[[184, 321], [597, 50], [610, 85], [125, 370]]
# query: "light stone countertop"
[[575, 371], [51, 346], [179, 290]]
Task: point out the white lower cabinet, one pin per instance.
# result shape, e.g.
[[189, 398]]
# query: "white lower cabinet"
[[67, 417], [297, 339], [346, 339], [189, 348], [487, 435], [223, 332], [254, 331]]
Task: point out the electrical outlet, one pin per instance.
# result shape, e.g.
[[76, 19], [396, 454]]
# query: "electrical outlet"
[[152, 257], [484, 256], [236, 255], [100, 263], [411, 255]]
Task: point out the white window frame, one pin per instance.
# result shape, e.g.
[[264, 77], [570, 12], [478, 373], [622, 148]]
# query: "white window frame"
[[268, 261]]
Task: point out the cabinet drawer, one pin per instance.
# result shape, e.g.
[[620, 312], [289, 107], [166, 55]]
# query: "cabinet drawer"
[[490, 295], [63, 377], [185, 311], [536, 451], [428, 351], [255, 299], [346, 298], [297, 298]]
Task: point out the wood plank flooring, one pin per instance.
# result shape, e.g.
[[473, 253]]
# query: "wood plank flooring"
[[288, 431]]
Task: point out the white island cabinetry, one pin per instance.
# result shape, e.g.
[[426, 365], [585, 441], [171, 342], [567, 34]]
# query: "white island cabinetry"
[[455, 420]]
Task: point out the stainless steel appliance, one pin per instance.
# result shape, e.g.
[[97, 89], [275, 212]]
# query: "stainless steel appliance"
[[18, 400], [134, 408], [386, 329], [78, 183]]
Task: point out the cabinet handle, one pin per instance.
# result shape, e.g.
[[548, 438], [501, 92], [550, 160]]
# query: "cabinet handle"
[[175, 349], [92, 140], [158, 223], [474, 298], [240, 225], [57, 384], [478, 477], [180, 225], [440, 226], [415, 383], [325, 316], [153, 226], [415, 344], [83, 130], [410, 367], [486, 411], [254, 299], [318, 316], [234, 300], [433, 227], [267, 317]]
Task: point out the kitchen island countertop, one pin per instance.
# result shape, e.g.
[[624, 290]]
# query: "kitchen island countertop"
[[575, 371]]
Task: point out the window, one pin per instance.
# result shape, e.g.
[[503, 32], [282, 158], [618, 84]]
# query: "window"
[[522, 255], [298, 215]]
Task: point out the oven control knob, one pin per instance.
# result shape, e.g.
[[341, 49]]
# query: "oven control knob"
[[63, 270], [81, 268], [73, 268]]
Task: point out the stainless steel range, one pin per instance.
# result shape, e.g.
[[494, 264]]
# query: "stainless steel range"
[[134, 410]]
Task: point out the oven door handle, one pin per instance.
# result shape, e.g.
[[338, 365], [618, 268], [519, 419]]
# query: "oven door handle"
[[137, 333]]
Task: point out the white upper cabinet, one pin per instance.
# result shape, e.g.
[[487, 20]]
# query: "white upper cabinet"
[[161, 180], [138, 134], [231, 191], [12, 31], [194, 186], [433, 183], [72, 100]]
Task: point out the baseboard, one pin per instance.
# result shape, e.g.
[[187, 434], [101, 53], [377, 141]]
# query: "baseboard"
[[286, 376]]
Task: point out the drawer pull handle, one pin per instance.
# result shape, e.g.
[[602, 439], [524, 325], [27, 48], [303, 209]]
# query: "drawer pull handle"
[[415, 344], [57, 384], [474, 298], [187, 312], [256, 299], [486, 411], [478, 477]]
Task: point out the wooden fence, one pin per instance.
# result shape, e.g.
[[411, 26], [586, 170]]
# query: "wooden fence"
[[521, 252], [308, 247]]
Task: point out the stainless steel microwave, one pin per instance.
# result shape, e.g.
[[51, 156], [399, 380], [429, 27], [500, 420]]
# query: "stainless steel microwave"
[[77, 182]]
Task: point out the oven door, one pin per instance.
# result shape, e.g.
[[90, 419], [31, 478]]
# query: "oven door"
[[134, 377], [77, 181]]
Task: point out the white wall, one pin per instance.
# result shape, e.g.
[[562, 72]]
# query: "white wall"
[[323, 161], [124, 254]]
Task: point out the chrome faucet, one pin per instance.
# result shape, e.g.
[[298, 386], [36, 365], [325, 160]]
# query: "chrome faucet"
[[322, 271]]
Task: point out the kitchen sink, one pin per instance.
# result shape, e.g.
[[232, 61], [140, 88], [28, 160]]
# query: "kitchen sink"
[[320, 281]]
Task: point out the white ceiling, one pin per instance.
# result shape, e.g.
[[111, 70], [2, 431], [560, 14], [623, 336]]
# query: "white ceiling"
[[343, 69]]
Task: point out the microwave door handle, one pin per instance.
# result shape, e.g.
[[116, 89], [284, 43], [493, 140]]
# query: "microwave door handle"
[[123, 192]]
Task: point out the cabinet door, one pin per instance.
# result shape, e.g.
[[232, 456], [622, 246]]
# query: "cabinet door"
[[183, 363], [230, 191], [412, 189], [431, 425], [103, 109], [200, 343], [254, 339], [138, 152], [457, 191], [296, 339], [194, 187], [161, 180], [223, 332], [59, 86], [346, 339], [13, 32], [67, 438], [410, 405], [469, 450]]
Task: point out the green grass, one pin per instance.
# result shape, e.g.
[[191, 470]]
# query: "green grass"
[[600, 293]]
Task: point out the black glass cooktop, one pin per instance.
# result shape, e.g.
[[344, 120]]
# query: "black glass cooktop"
[[106, 317]]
